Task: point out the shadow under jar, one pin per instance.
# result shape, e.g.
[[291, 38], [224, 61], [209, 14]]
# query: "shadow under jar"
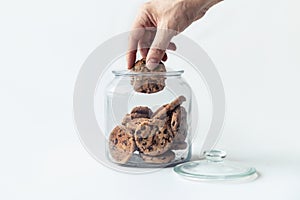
[[148, 119]]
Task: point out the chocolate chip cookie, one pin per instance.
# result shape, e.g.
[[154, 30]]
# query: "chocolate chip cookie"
[[121, 144], [132, 124], [140, 66], [179, 124], [166, 110], [153, 137], [137, 112], [126, 119], [160, 113], [141, 112], [150, 83], [161, 159]]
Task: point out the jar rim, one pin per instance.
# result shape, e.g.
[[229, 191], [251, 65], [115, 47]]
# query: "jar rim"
[[131, 73]]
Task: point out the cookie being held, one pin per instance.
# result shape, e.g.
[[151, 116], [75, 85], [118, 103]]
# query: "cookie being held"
[[140, 66], [150, 83]]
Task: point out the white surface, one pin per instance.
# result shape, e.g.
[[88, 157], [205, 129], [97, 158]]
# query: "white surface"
[[254, 44]]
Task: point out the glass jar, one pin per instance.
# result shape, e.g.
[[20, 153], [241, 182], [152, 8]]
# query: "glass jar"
[[148, 119]]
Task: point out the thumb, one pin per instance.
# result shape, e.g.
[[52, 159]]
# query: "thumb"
[[158, 47]]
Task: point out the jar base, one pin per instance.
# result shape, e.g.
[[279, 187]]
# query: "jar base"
[[137, 162]]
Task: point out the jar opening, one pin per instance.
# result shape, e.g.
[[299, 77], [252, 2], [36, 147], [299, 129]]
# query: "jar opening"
[[131, 73]]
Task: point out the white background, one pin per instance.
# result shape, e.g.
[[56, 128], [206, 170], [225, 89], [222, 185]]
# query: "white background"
[[254, 44]]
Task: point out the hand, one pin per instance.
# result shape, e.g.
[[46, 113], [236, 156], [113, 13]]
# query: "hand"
[[157, 22]]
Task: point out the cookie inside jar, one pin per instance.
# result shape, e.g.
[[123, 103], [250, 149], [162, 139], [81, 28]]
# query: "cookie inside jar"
[[151, 138]]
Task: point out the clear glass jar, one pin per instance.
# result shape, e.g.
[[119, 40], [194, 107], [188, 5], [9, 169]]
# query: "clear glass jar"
[[148, 119]]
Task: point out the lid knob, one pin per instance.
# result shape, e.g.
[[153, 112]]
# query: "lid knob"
[[215, 155]]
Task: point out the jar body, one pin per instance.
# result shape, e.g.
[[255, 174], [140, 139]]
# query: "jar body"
[[148, 129]]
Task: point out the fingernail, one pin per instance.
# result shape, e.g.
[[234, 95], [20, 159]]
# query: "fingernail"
[[151, 64]]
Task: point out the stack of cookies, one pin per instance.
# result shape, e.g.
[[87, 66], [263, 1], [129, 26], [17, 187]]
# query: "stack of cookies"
[[149, 81], [152, 136]]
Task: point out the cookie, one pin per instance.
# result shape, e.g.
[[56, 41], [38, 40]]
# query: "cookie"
[[140, 66], [137, 112], [179, 145], [167, 157], [153, 137], [132, 124], [160, 113], [178, 101], [148, 83], [144, 134], [166, 110], [162, 141], [126, 119], [121, 144], [141, 112], [179, 124]]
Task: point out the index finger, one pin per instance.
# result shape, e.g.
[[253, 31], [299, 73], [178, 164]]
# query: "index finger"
[[134, 36]]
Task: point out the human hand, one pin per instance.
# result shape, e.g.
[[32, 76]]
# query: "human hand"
[[157, 22]]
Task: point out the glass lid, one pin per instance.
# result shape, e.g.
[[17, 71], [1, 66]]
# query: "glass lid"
[[215, 168]]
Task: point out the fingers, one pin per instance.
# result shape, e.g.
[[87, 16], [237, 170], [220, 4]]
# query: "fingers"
[[144, 53], [134, 37], [145, 42], [152, 45], [157, 51], [165, 57], [138, 31]]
